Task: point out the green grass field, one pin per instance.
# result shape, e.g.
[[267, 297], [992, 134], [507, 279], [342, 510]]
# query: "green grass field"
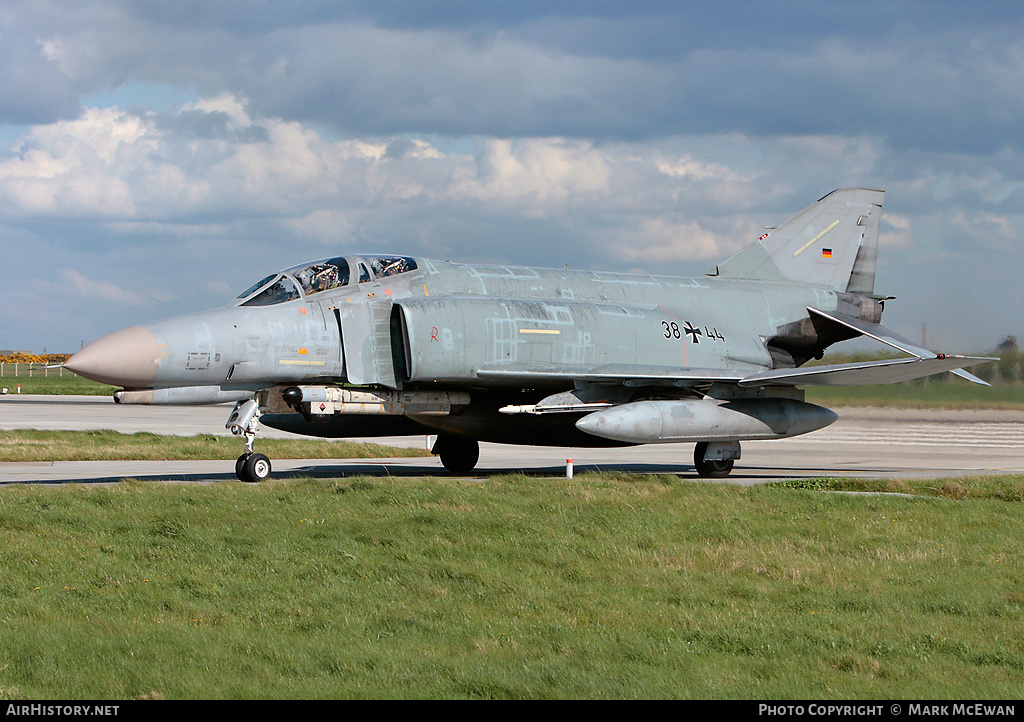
[[35, 445], [53, 383], [603, 586], [955, 394], [606, 586]]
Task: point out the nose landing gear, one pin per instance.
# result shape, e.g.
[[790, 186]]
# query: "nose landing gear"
[[245, 421]]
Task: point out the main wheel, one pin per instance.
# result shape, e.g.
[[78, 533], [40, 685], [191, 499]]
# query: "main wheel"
[[710, 468], [459, 456], [255, 468]]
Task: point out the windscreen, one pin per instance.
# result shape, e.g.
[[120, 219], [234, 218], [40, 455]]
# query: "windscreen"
[[304, 280], [256, 286], [321, 275], [281, 290]]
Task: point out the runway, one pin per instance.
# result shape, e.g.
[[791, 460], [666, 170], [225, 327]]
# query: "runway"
[[866, 443]]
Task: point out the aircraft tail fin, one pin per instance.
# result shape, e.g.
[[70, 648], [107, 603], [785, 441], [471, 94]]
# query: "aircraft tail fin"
[[832, 244]]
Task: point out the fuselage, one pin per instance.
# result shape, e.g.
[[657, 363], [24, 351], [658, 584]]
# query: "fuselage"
[[442, 323], [377, 345]]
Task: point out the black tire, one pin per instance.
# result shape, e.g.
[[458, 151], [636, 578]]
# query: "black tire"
[[459, 456], [240, 465], [256, 468], [710, 468]]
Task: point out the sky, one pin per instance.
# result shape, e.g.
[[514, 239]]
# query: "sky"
[[157, 158]]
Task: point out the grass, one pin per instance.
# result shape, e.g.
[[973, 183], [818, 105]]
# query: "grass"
[[35, 445], [607, 586], [989, 488], [939, 391], [956, 394], [604, 586], [54, 383]]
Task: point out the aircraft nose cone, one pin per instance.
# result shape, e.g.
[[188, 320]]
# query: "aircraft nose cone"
[[126, 358]]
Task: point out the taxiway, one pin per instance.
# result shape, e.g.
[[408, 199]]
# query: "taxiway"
[[867, 443]]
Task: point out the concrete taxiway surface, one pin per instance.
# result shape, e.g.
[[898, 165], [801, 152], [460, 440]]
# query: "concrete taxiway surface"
[[868, 443]]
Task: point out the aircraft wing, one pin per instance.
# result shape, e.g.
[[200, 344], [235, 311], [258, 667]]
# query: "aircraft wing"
[[888, 371]]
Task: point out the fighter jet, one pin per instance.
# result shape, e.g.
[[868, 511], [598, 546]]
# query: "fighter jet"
[[380, 345]]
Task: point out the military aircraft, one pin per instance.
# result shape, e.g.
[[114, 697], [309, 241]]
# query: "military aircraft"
[[379, 345]]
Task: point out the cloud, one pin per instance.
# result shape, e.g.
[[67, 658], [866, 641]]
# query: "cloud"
[[944, 79], [87, 288], [674, 240], [32, 89], [536, 174], [113, 165], [186, 148], [77, 167]]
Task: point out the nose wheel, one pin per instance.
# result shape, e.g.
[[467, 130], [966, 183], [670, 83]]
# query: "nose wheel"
[[244, 421], [252, 468]]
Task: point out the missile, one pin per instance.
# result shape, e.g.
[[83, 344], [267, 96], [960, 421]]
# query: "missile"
[[670, 421]]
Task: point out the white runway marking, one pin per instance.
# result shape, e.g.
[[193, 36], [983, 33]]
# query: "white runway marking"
[[939, 433]]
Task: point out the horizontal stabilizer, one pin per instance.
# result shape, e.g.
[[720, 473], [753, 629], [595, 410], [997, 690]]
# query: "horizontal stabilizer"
[[865, 373], [893, 339], [873, 330]]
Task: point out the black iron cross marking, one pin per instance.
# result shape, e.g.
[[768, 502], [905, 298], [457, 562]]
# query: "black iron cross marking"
[[694, 332]]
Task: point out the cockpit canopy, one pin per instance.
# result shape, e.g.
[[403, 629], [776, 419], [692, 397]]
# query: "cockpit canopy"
[[318, 276]]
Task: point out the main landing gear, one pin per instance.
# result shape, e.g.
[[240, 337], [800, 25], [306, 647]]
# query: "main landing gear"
[[245, 421], [458, 455], [715, 460]]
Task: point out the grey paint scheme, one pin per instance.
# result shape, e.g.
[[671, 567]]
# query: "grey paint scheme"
[[514, 337]]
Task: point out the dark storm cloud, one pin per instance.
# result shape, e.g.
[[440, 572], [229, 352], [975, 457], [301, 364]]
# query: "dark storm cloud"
[[934, 75], [32, 90], [219, 140], [365, 80]]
